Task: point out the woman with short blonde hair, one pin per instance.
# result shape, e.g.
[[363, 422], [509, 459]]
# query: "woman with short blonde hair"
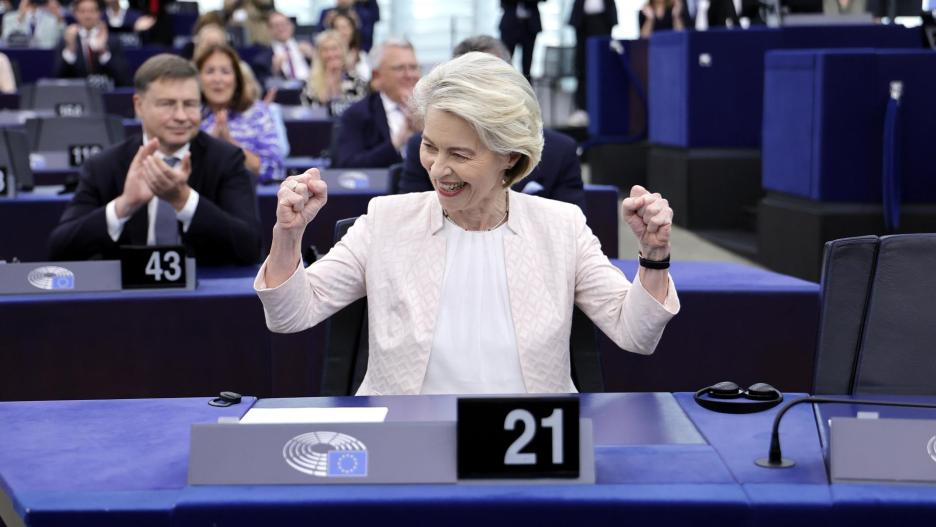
[[471, 287]]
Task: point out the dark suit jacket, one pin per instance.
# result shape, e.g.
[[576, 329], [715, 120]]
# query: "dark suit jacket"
[[512, 28], [559, 171], [577, 17], [362, 136], [116, 68], [262, 64], [225, 229]]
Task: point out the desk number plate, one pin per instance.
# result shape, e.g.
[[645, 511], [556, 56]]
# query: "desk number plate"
[[152, 267], [518, 438], [78, 154]]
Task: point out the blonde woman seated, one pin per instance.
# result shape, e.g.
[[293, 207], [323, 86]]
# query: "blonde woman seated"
[[330, 82], [231, 113], [470, 287]]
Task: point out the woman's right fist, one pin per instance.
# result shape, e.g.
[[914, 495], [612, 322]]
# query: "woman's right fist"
[[299, 199]]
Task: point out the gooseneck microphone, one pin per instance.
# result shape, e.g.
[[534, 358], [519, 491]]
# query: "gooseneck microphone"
[[775, 457]]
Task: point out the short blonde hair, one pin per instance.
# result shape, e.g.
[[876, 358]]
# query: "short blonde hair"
[[495, 99]]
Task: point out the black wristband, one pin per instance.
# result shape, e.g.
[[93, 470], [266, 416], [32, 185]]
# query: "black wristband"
[[653, 264]]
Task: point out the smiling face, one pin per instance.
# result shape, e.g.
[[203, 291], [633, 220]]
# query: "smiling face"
[[219, 80], [397, 74], [170, 110], [281, 27], [331, 53], [466, 175], [344, 27]]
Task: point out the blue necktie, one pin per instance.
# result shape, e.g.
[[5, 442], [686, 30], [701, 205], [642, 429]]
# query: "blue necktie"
[[166, 224]]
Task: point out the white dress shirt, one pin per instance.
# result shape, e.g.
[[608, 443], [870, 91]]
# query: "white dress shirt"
[[474, 349], [395, 118], [115, 224], [295, 65]]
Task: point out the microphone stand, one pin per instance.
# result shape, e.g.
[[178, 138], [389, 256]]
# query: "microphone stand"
[[775, 457]]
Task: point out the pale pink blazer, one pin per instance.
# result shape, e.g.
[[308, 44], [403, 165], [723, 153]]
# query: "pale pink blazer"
[[395, 255]]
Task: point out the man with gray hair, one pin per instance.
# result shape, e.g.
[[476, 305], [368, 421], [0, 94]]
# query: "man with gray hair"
[[372, 132], [558, 176]]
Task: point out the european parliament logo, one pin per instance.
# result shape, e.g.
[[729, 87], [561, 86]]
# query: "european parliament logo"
[[326, 455], [51, 278]]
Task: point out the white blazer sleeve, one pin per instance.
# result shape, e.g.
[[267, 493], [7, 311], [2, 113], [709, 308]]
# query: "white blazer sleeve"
[[311, 295], [625, 312]]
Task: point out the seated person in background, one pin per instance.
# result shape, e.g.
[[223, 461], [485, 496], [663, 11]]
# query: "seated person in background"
[[368, 14], [557, 176], [208, 29], [372, 132], [470, 288], [173, 185], [330, 83], [40, 25], [231, 115], [88, 49], [7, 78], [253, 16], [346, 24], [126, 20], [253, 90], [286, 58], [659, 15]]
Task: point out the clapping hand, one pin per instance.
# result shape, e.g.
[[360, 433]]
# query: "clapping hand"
[[170, 184], [650, 218], [221, 129], [136, 191], [99, 43], [299, 200]]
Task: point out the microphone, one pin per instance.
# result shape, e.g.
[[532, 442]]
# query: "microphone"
[[775, 458]]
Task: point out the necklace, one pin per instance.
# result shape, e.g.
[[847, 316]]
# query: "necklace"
[[496, 225]]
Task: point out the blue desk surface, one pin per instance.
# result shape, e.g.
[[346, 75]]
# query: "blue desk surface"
[[123, 462]]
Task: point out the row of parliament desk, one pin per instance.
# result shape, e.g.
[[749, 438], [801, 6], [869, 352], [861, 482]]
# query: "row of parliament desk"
[[660, 460], [30, 217], [737, 323]]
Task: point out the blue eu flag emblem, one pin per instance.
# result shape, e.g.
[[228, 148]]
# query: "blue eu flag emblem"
[[347, 463], [63, 282]]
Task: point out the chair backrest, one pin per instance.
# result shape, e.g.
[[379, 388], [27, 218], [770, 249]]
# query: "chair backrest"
[[877, 326], [393, 174], [14, 158], [66, 97], [61, 133], [347, 341]]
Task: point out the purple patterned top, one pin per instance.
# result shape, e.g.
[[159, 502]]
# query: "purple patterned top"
[[255, 130]]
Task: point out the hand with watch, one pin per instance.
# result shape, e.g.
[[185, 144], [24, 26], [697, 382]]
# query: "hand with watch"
[[650, 218]]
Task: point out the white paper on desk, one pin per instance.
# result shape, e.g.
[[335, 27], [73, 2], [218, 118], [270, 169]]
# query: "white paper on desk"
[[375, 414]]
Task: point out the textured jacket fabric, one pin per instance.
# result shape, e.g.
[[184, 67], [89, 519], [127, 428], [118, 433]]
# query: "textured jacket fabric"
[[395, 255]]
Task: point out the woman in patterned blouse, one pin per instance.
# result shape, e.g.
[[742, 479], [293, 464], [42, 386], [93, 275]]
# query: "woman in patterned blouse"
[[331, 83], [231, 114]]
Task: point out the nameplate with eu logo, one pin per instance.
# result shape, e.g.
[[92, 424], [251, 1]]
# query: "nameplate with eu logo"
[[59, 277], [78, 154], [156, 267], [523, 438], [322, 453]]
